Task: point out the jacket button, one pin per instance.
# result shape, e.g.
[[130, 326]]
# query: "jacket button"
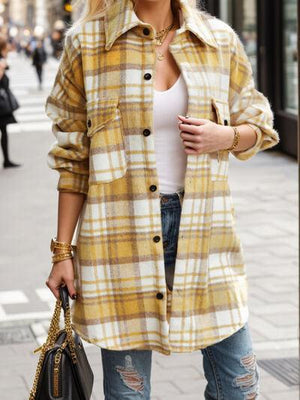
[[165, 244], [146, 132], [156, 239], [89, 123], [147, 76], [159, 295], [146, 31], [153, 188]]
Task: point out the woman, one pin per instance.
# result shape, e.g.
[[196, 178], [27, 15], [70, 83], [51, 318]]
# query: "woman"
[[158, 263], [7, 118]]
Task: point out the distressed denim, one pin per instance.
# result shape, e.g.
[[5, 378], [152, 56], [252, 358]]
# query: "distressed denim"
[[230, 366]]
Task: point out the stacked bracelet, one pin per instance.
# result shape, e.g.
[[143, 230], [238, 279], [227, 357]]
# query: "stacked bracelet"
[[236, 138], [65, 250]]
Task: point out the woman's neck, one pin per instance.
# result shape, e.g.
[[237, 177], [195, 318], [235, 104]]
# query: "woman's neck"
[[158, 13]]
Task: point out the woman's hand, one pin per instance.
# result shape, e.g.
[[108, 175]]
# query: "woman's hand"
[[62, 273], [204, 136]]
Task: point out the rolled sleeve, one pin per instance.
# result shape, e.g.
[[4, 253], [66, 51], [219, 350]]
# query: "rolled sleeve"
[[66, 107], [247, 104], [71, 182]]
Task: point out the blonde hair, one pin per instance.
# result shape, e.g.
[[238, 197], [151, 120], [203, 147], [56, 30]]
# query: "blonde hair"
[[92, 9]]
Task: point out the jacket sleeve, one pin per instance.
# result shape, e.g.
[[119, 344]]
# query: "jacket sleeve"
[[66, 107], [248, 105]]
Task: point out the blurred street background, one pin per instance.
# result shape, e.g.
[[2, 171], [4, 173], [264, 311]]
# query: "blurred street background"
[[264, 191]]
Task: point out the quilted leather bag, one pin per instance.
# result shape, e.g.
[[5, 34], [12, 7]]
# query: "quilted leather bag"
[[63, 370]]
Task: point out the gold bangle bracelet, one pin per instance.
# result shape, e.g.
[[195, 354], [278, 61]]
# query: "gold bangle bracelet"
[[236, 138], [62, 254], [61, 245], [61, 257]]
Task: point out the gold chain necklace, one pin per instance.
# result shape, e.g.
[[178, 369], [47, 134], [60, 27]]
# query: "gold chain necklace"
[[160, 38], [160, 35]]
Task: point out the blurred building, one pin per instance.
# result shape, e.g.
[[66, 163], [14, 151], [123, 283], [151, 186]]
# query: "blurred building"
[[269, 33], [23, 13], [41, 14], [54, 11], [35, 14], [59, 10]]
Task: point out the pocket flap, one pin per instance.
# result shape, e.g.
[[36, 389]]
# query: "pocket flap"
[[221, 110], [100, 111], [219, 159]]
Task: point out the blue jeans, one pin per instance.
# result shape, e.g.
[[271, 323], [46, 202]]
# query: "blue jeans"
[[230, 366]]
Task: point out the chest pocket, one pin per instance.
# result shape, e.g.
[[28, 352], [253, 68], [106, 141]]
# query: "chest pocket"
[[107, 158], [219, 160]]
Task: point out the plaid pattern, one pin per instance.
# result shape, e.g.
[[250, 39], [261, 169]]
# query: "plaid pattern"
[[100, 104]]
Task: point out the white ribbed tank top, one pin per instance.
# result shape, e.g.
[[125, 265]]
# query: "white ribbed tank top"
[[170, 155]]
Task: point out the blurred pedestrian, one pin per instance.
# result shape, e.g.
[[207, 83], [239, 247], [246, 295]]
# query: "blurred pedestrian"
[[39, 57], [57, 43], [8, 103], [28, 50]]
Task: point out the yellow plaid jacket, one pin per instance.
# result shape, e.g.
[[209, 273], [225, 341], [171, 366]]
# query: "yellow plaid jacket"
[[101, 108]]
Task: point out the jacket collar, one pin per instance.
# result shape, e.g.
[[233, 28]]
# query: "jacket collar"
[[120, 18]]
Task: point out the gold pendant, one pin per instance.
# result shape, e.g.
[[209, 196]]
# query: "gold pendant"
[[160, 56]]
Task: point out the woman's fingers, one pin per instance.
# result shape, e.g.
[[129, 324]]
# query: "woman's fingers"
[[71, 288], [193, 121], [190, 151], [190, 137], [53, 286], [193, 130], [192, 145]]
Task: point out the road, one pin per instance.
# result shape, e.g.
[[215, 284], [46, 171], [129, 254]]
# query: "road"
[[264, 191]]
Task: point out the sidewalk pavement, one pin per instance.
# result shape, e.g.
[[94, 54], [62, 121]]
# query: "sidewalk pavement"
[[264, 191]]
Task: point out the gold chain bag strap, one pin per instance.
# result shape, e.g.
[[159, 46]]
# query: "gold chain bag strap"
[[63, 370]]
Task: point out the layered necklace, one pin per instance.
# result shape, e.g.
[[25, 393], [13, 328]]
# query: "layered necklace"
[[160, 38]]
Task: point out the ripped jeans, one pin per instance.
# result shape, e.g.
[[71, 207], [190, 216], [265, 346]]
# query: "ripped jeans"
[[230, 366]]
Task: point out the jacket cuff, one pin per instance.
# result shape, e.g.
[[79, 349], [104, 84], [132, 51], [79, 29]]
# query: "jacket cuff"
[[251, 151], [72, 182]]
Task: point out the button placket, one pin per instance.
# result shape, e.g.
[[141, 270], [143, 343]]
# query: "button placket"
[[152, 188]]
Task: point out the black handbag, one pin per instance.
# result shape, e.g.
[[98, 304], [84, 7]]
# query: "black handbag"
[[8, 102], [63, 370]]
